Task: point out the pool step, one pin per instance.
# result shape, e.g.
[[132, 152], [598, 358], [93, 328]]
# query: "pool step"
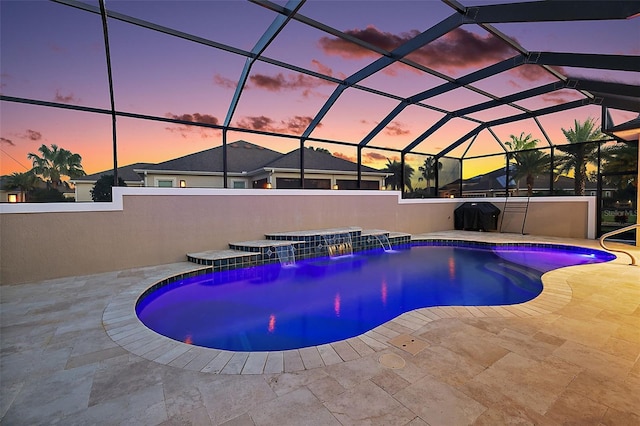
[[262, 246], [306, 244], [224, 259], [268, 250]]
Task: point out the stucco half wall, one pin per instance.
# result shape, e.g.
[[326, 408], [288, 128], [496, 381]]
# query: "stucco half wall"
[[151, 226]]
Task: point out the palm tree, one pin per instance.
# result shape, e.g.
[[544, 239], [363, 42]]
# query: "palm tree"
[[528, 163], [428, 170], [621, 157], [25, 182], [394, 169], [519, 143], [54, 162], [579, 155]]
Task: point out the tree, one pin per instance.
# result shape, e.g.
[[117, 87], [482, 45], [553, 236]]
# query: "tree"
[[578, 154], [48, 195], [621, 157], [103, 188], [528, 163], [394, 169], [522, 142], [25, 182], [55, 162], [325, 150], [428, 170]]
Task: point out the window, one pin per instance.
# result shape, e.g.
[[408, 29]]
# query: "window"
[[294, 183], [238, 184], [353, 184], [163, 183]]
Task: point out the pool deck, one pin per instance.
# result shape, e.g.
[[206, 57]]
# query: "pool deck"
[[73, 352]]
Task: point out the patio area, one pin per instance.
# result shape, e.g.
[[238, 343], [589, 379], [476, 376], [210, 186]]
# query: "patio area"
[[72, 353]]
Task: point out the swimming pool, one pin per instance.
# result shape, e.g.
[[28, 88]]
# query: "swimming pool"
[[323, 300]]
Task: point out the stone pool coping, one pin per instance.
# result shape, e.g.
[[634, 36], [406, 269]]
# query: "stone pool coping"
[[124, 328]]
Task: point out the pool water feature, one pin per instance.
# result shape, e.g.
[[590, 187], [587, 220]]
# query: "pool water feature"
[[384, 242], [323, 300], [338, 245], [286, 255]]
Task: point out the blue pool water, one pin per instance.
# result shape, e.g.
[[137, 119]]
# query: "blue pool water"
[[324, 300]]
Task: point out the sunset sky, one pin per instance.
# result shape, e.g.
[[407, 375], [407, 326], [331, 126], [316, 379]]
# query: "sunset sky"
[[52, 52]]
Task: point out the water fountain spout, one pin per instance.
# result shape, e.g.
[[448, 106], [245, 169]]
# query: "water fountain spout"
[[338, 244], [286, 255], [384, 242]]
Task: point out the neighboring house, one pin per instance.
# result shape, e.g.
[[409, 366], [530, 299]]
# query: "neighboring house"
[[492, 184], [85, 184], [15, 196], [9, 195], [248, 166]]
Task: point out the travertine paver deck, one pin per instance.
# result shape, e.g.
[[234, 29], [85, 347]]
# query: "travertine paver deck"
[[73, 352]]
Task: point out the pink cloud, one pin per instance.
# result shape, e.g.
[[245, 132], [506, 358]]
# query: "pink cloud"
[[374, 156], [326, 70], [67, 99], [33, 135], [396, 129], [559, 97], [221, 81], [196, 118], [281, 82], [185, 130], [458, 49], [345, 156], [297, 124], [367, 158], [532, 72], [370, 34]]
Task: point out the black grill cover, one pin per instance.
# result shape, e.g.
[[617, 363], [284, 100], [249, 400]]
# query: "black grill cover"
[[476, 217]]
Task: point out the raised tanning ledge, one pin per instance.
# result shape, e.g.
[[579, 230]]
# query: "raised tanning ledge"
[[286, 247]]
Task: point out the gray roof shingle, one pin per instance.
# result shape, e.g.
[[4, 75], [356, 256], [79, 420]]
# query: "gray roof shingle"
[[315, 160], [241, 156], [125, 172]]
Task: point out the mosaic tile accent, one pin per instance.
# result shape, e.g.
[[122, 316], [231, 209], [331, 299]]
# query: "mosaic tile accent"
[[503, 246], [306, 245]]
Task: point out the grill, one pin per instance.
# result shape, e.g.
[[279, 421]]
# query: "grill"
[[476, 217]]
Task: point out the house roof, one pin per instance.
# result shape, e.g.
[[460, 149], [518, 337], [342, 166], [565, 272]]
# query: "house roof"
[[242, 156], [125, 172], [316, 160]]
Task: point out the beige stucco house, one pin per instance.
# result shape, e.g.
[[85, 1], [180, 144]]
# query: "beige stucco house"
[[248, 166]]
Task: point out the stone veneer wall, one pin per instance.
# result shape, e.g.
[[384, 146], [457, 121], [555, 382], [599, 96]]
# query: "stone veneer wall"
[[151, 226]]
